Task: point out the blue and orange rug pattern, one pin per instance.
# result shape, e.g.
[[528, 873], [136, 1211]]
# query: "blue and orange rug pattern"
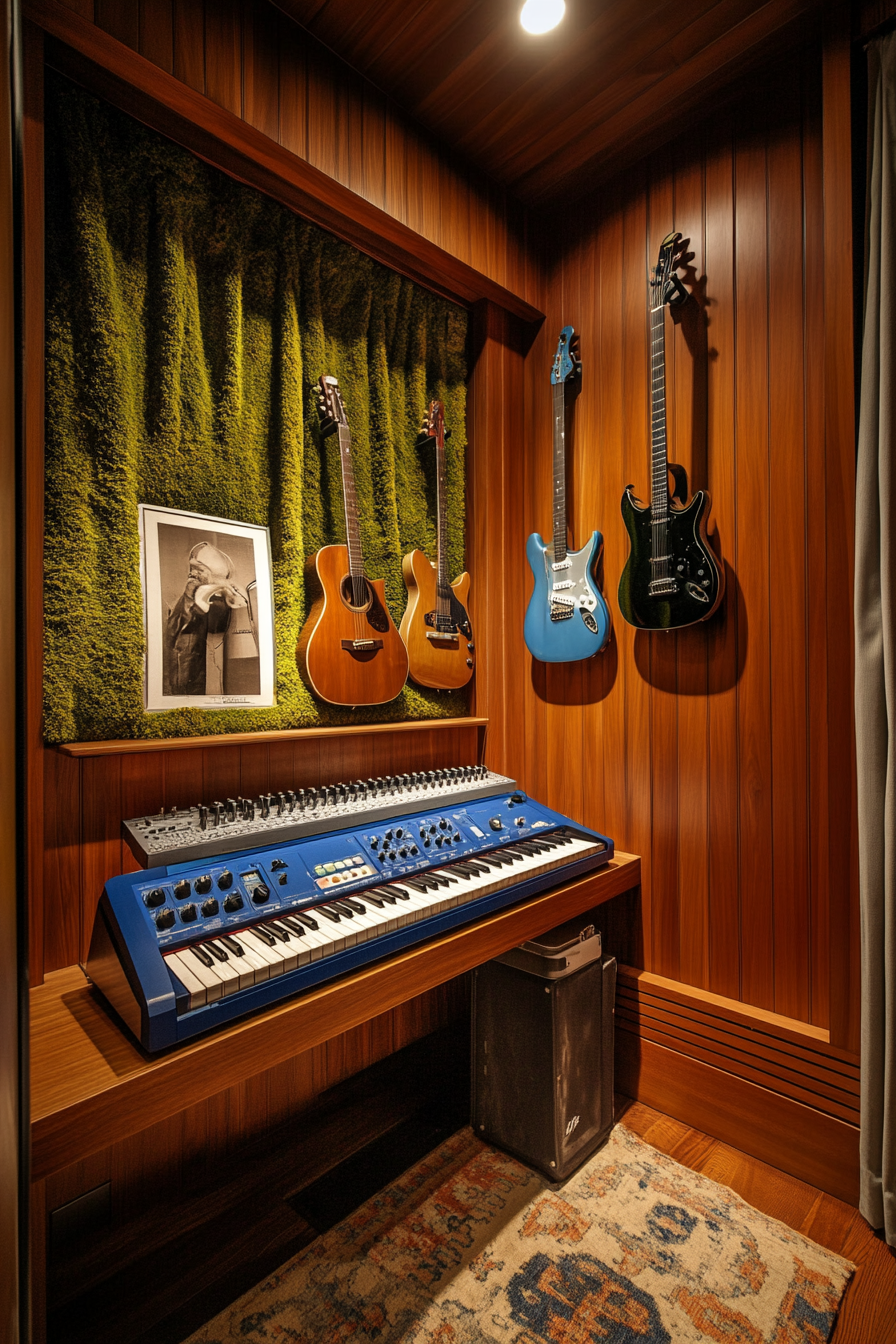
[[469, 1247]]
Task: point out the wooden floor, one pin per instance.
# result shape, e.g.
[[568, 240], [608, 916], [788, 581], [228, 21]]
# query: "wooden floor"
[[156, 1279], [868, 1315]]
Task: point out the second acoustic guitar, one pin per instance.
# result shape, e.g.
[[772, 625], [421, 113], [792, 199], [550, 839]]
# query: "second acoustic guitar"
[[436, 626]]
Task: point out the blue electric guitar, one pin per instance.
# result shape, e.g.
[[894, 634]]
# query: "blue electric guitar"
[[567, 618]]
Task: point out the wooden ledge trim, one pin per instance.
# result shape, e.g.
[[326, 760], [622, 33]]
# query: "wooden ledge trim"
[[731, 1009], [137, 746], [113, 71]]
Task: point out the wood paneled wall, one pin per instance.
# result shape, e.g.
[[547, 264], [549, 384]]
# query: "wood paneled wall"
[[722, 754], [248, 57]]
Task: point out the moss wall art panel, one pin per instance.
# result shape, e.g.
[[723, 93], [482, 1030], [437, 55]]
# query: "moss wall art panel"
[[188, 318]]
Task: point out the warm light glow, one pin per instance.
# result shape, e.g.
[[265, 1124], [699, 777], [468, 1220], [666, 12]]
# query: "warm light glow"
[[540, 16]]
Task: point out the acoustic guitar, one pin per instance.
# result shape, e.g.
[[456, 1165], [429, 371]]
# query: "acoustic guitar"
[[349, 651], [567, 618], [671, 578], [436, 626]]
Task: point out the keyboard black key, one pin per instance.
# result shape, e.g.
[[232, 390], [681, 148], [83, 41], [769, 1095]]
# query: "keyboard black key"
[[217, 952], [232, 945], [201, 955], [282, 935], [394, 891], [353, 904], [305, 919], [328, 913], [263, 936], [295, 929]]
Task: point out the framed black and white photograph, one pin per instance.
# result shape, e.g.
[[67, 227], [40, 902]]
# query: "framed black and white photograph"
[[208, 611]]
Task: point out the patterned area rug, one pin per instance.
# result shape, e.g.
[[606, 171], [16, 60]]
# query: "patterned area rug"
[[470, 1246]]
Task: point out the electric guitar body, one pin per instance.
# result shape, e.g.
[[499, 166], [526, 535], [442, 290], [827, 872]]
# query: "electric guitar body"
[[567, 617], [436, 626], [564, 624], [442, 660], [349, 651], [698, 580]]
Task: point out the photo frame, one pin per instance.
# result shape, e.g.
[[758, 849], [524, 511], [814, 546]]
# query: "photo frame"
[[208, 611]]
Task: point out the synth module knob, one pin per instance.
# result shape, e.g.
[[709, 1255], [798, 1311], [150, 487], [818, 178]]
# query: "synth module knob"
[[164, 919], [182, 889], [154, 897], [188, 913], [210, 907], [234, 902], [225, 880], [261, 893], [496, 823], [203, 884]]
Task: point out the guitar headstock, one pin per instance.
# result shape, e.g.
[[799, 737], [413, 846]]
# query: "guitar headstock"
[[566, 365], [329, 404], [433, 426], [665, 286]]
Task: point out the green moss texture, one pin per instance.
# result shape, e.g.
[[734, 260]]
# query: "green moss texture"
[[188, 318]]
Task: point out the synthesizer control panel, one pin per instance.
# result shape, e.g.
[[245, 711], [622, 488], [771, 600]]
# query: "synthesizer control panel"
[[180, 949], [214, 897], [232, 824]]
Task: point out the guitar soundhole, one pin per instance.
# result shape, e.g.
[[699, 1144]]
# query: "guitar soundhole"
[[346, 592]]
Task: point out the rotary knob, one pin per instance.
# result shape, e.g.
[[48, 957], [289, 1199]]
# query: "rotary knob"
[[225, 880], [203, 884], [210, 907], [182, 889], [164, 919], [261, 893], [154, 897]]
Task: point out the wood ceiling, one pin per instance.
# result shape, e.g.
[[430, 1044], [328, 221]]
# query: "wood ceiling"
[[552, 115]]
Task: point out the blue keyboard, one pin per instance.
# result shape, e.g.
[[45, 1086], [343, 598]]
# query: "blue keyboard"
[[182, 949]]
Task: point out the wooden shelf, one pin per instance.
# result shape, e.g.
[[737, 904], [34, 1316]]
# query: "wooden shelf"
[[92, 1084], [128, 746]]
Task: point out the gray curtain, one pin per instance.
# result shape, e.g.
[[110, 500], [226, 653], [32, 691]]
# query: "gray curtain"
[[876, 653]]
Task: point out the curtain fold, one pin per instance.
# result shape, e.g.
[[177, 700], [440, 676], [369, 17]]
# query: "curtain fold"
[[876, 654], [188, 318]]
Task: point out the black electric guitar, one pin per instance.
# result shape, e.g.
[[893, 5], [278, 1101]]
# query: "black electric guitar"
[[671, 578]]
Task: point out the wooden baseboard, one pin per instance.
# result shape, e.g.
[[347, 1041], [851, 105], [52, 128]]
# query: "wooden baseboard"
[[798, 1139]]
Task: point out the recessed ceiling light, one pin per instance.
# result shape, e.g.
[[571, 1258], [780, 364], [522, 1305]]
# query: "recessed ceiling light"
[[540, 16]]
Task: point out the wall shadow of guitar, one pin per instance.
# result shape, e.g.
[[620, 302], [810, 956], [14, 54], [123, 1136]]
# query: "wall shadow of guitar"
[[703, 659]]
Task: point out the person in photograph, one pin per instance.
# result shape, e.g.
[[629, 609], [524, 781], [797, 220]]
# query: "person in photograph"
[[210, 644]]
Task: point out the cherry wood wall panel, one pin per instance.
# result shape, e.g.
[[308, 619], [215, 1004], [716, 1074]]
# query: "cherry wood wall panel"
[[249, 57], [722, 754]]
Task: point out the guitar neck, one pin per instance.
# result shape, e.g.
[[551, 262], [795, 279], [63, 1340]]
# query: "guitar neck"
[[558, 391], [659, 484], [352, 530], [443, 586]]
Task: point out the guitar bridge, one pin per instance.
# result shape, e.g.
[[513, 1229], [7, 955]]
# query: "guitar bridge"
[[662, 587], [442, 636], [362, 645], [559, 613]]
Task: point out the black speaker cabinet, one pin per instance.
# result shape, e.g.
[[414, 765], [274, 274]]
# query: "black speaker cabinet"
[[543, 1049]]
